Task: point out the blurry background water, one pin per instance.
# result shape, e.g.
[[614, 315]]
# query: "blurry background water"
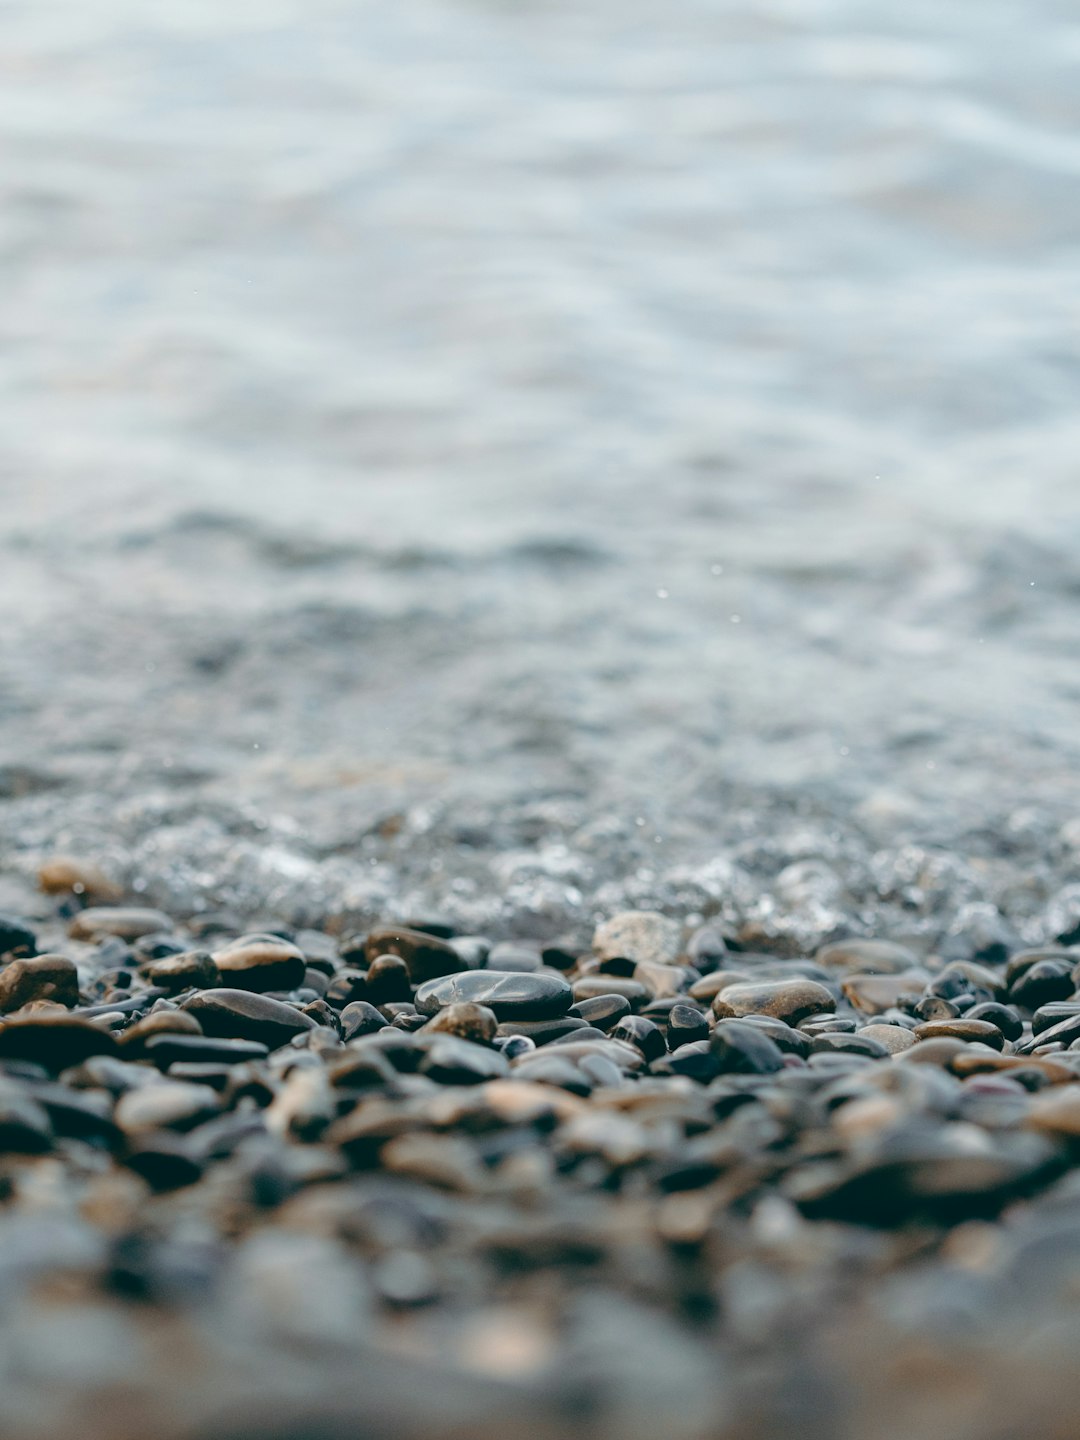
[[509, 459]]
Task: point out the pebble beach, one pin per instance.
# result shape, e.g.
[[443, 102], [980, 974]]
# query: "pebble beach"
[[539, 774]]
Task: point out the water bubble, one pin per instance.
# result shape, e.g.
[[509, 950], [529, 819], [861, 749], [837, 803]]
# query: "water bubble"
[[736, 619], [716, 569], [662, 594]]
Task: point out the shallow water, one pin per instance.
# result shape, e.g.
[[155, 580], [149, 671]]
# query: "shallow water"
[[510, 460]]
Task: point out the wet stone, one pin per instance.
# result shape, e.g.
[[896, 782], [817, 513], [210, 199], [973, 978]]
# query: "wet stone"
[[788, 1000], [511, 996], [1003, 1016], [243, 1015], [188, 970], [643, 1034], [17, 936], [260, 963], [468, 1021], [934, 1007], [426, 956], [67, 874], [895, 1038], [589, 987], [1042, 982], [603, 1011], [360, 1018], [166, 1050], [55, 1041], [741, 1048], [387, 981], [961, 1029], [450, 1060], [48, 977], [686, 1025], [25, 1127]]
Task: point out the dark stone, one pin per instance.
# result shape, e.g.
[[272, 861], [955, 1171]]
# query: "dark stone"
[[54, 1041], [961, 1029], [243, 1015], [696, 1059], [850, 1045], [1051, 1014], [426, 956], [511, 996], [346, 986], [188, 970], [643, 1034], [453, 1061], [1042, 982], [16, 937], [790, 1000], [686, 1025], [156, 947], [1003, 1016], [469, 1022], [387, 980], [259, 963], [360, 1018], [542, 1032], [826, 1025], [49, 977], [165, 1050], [744, 1049], [935, 1007], [603, 1011], [791, 1041]]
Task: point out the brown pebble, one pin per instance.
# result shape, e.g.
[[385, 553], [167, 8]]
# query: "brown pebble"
[[961, 1029], [895, 1038], [788, 1000], [126, 923], [46, 977], [65, 873]]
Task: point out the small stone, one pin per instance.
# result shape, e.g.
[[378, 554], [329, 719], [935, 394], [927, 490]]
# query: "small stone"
[[643, 1034], [857, 1044], [686, 1025], [1041, 982], [665, 981], [967, 1030], [260, 963], [894, 1037], [639, 935], [163, 1022], [123, 922], [54, 1041], [1003, 1016], [788, 1000], [388, 981], [63, 874], [48, 977], [508, 956], [742, 1049], [603, 1011], [468, 1021], [16, 937], [934, 1007], [360, 1018], [511, 996], [164, 1160], [243, 1015], [1056, 1111], [191, 969], [25, 1127], [426, 957]]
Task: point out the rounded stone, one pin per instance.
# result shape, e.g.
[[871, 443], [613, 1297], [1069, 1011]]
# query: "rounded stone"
[[242, 1015], [788, 1000], [426, 956], [512, 996], [191, 969], [961, 1029], [895, 1038], [468, 1021], [261, 962], [47, 977], [123, 922]]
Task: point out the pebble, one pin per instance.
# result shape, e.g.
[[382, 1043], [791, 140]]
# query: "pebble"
[[426, 956], [47, 977], [788, 1000], [741, 1048], [244, 1015], [63, 874], [55, 1041], [962, 1029], [17, 937], [260, 963], [190, 969], [469, 1021], [511, 996]]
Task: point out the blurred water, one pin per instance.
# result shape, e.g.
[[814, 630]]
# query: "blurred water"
[[514, 458]]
